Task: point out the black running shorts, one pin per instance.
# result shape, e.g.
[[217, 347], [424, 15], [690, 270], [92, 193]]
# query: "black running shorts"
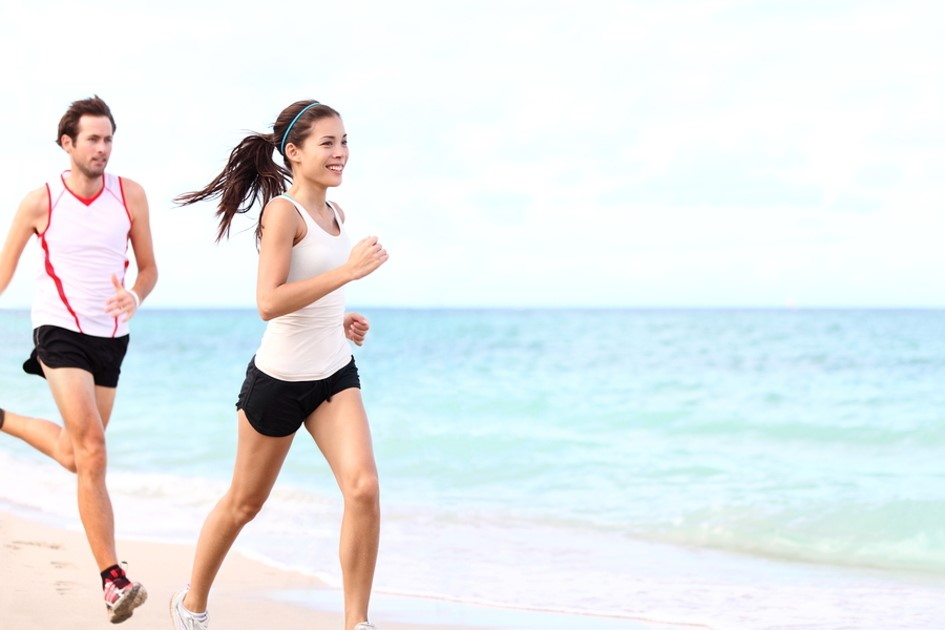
[[278, 408], [60, 348]]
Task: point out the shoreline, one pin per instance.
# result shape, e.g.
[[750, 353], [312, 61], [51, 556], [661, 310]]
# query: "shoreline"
[[50, 581]]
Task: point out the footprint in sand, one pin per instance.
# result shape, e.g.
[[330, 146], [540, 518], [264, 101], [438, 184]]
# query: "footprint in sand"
[[63, 587], [17, 544]]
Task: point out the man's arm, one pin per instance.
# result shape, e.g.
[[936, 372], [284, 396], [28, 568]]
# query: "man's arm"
[[30, 218], [141, 239]]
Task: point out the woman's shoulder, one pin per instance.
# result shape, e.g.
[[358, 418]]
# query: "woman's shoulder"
[[280, 201], [281, 210], [337, 208]]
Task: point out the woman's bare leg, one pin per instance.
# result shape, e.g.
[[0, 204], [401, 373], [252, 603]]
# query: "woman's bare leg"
[[259, 459], [340, 429]]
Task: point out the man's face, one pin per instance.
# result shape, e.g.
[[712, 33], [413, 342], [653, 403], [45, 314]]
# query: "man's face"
[[92, 147]]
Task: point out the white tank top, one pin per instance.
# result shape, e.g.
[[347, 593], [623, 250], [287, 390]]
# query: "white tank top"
[[309, 344], [84, 243]]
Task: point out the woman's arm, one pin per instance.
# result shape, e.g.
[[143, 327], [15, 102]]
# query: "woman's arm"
[[282, 226]]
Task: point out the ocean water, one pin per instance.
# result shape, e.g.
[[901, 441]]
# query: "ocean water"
[[728, 469]]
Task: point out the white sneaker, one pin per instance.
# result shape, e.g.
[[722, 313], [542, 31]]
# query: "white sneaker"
[[184, 619], [364, 625]]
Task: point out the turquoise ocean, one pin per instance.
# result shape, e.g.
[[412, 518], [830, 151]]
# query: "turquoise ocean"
[[730, 469]]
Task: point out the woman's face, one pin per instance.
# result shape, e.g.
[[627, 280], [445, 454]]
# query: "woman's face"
[[322, 157]]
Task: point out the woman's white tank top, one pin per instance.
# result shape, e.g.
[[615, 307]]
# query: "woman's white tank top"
[[310, 344]]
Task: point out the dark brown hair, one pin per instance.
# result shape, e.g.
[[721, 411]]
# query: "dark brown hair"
[[69, 123], [251, 174]]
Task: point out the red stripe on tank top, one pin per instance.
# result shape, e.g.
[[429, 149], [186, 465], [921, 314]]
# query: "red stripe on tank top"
[[50, 270], [91, 199], [124, 202], [131, 222]]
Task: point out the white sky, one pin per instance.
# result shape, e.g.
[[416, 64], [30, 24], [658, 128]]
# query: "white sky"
[[526, 153]]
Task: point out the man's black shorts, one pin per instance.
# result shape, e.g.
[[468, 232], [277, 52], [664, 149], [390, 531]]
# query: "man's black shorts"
[[278, 408], [58, 348]]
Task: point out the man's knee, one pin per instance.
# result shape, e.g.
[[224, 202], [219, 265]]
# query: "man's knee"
[[88, 454], [67, 461]]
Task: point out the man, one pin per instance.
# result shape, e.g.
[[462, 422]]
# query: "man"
[[83, 220]]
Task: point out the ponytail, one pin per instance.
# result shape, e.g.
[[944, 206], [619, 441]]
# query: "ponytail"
[[250, 176]]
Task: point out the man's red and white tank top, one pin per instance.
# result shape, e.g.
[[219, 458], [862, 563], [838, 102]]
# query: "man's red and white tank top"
[[85, 242]]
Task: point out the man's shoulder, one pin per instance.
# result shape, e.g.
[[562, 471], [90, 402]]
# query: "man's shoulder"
[[133, 196], [36, 200], [128, 185]]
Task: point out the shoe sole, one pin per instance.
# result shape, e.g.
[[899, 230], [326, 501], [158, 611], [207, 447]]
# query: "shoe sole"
[[126, 607]]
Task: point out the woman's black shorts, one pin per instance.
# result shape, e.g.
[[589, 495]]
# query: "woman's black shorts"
[[278, 408]]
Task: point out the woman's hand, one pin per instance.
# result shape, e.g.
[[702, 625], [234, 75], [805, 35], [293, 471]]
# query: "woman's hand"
[[366, 256], [356, 327]]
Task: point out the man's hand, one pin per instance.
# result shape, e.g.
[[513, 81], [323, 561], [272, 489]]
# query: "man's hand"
[[124, 302]]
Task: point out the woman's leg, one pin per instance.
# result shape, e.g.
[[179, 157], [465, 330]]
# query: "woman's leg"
[[340, 429], [259, 459]]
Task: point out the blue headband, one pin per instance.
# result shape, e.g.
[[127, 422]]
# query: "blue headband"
[[291, 124]]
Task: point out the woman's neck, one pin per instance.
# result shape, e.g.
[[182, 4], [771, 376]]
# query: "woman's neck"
[[310, 197]]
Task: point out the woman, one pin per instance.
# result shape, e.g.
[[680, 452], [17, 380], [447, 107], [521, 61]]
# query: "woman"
[[303, 373]]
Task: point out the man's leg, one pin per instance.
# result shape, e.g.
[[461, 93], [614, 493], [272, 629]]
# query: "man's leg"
[[46, 437], [50, 438], [85, 409], [78, 400]]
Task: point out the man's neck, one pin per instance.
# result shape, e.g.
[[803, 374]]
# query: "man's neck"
[[83, 186]]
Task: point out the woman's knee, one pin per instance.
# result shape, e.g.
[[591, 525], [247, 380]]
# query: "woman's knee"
[[245, 509], [363, 489]]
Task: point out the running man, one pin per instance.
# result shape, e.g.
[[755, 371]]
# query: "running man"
[[83, 220]]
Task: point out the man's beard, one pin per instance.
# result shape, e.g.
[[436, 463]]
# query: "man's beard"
[[93, 172]]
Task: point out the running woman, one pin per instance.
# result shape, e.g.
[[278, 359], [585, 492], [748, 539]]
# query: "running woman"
[[303, 373]]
